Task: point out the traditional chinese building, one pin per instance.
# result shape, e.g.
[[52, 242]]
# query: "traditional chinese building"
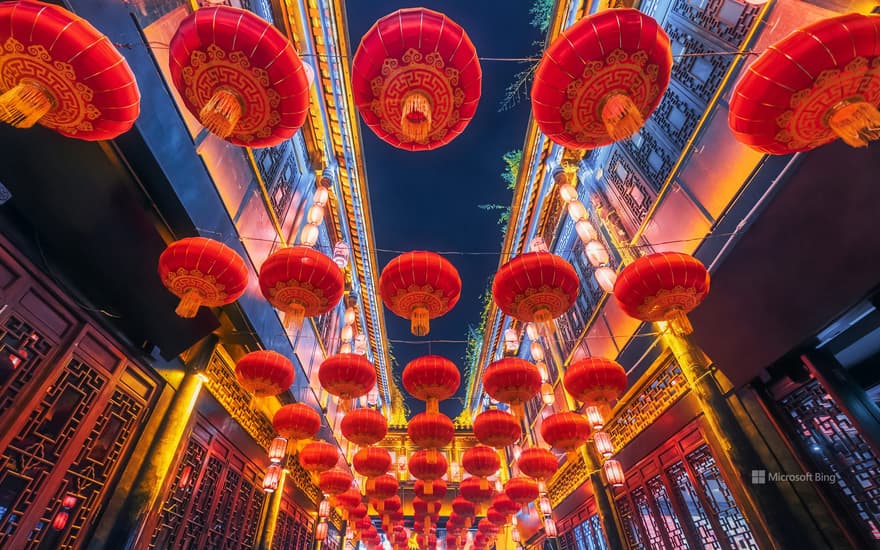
[[210, 156]]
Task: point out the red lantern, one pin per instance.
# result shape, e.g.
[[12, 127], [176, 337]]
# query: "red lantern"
[[318, 456], [422, 508], [513, 381], [819, 83], [538, 463], [363, 426], [348, 499], [431, 378], [566, 431], [382, 487], [521, 490], [536, 286], [430, 430], [416, 79], [480, 461], [347, 375], [495, 517], [438, 490], [595, 381], [264, 373], [503, 504], [428, 469], [463, 507], [487, 527], [334, 482], [301, 282], [371, 461], [297, 421], [202, 272], [476, 490], [419, 286], [240, 76], [358, 512], [662, 287], [601, 78], [496, 428], [58, 70]]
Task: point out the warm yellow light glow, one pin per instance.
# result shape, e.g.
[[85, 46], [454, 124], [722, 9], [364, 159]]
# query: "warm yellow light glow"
[[321, 196], [271, 479], [603, 444], [568, 192], [350, 316], [594, 417], [278, 450], [316, 214], [309, 235], [532, 331], [547, 394], [347, 334], [614, 473], [577, 211], [597, 254], [537, 351], [606, 277], [542, 370], [586, 231]]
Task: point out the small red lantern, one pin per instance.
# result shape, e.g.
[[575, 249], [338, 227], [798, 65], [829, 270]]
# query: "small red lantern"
[[240, 76], [358, 512], [538, 463], [503, 504], [416, 79], [318, 456], [301, 282], [463, 507], [430, 430], [334, 482], [202, 272], [431, 378], [438, 490], [487, 527], [348, 499], [264, 373], [297, 421], [480, 461], [566, 431], [817, 84], [363, 426], [664, 286], [476, 490], [58, 70], [513, 381], [382, 487], [496, 428], [421, 466], [601, 78], [614, 473], [420, 286], [347, 376], [536, 286], [422, 508], [495, 517], [521, 490], [371, 461], [595, 381], [60, 520]]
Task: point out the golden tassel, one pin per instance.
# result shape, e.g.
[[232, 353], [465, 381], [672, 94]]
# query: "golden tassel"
[[25, 104], [420, 321], [518, 410], [222, 112], [856, 122], [415, 116], [429, 487], [431, 456], [189, 304], [293, 317], [432, 405], [484, 484], [679, 323], [621, 116]]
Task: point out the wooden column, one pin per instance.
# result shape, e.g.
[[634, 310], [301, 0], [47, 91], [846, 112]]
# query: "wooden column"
[[269, 521]]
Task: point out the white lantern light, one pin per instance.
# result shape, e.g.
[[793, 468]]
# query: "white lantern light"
[[347, 334], [547, 394], [511, 340], [614, 473], [586, 231], [309, 235], [373, 396], [345, 347], [538, 245], [544, 506], [272, 478], [341, 252], [594, 417], [360, 344], [532, 331], [454, 470], [550, 528], [604, 445], [321, 195], [606, 278], [542, 370], [324, 509], [577, 211], [596, 253], [350, 316], [321, 531], [568, 192], [316, 214], [277, 450], [514, 533], [537, 351]]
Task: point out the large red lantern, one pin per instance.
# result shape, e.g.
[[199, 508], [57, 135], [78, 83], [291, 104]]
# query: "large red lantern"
[[480, 461], [364, 426], [297, 421], [438, 490], [664, 286], [371, 461], [521, 490], [58, 70], [382, 487], [513, 381], [430, 430], [566, 431], [416, 79], [538, 463], [347, 376], [496, 428], [819, 83], [427, 468], [301, 282], [601, 78], [431, 378], [595, 381], [264, 373], [536, 286], [318, 456], [201, 272], [334, 482], [420, 286], [240, 76]]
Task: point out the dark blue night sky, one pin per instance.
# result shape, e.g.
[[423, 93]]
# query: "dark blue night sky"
[[429, 200]]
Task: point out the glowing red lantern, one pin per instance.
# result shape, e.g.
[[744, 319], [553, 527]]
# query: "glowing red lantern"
[[480, 461], [364, 426], [595, 381], [438, 490], [382, 487], [58, 70], [202, 272], [496, 428], [495, 517], [431, 431], [566, 431], [428, 469], [503, 504], [463, 507], [601, 78], [513, 381], [371, 461], [538, 463], [347, 376], [487, 527], [416, 79], [358, 512], [817, 84], [264, 373], [240, 76], [296, 421], [318, 456], [476, 490], [420, 286], [521, 490], [334, 482], [431, 378], [348, 499], [536, 286], [301, 282], [422, 508], [662, 287]]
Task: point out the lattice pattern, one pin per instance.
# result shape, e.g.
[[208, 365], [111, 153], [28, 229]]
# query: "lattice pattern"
[[630, 187], [630, 527], [676, 116], [701, 75], [237, 402], [23, 351], [572, 475], [175, 504], [653, 158], [688, 499], [837, 449], [726, 20], [587, 535], [278, 169], [651, 530], [666, 514]]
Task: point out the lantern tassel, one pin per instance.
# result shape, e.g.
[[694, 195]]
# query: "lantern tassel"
[[25, 104], [415, 116], [518, 410], [432, 405], [484, 484], [680, 324], [420, 321], [294, 316], [221, 113], [189, 304], [856, 123], [621, 116]]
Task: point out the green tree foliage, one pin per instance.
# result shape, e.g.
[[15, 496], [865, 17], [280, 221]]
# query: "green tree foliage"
[[541, 11]]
